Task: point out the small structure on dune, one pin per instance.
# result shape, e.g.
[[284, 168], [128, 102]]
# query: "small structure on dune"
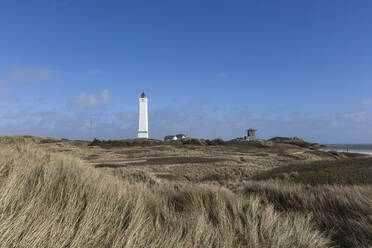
[[251, 135], [174, 137]]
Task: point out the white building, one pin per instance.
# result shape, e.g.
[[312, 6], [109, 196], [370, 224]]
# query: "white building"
[[143, 123], [174, 137]]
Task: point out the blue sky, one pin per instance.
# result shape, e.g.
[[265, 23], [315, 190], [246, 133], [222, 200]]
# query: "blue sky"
[[210, 68]]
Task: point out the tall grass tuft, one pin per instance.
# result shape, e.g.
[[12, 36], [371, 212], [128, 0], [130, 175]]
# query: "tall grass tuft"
[[344, 212]]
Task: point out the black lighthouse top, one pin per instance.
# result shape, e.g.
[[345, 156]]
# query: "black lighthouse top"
[[143, 94]]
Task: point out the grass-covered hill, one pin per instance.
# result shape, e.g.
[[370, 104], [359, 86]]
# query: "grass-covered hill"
[[61, 193], [350, 171]]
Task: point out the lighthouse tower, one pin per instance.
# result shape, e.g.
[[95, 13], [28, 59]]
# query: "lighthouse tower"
[[143, 123]]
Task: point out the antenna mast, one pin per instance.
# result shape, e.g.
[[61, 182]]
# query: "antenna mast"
[[90, 128]]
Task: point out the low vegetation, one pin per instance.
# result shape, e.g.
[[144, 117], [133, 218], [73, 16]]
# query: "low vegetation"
[[151, 142], [345, 171], [164, 161], [295, 141], [60, 193], [49, 200], [125, 143]]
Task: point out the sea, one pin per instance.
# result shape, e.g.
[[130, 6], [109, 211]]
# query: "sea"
[[357, 148]]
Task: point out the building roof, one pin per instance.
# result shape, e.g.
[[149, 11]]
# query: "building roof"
[[170, 137], [143, 95]]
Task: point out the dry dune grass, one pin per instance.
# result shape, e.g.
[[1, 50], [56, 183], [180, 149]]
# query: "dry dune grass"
[[344, 212], [53, 200]]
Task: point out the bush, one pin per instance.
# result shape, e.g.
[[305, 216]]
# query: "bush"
[[215, 142], [192, 141], [125, 143]]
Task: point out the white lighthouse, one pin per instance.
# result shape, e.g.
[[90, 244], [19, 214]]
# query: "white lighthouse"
[[143, 123]]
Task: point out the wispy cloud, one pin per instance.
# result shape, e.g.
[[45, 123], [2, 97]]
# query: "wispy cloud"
[[15, 113], [5, 95], [216, 78], [91, 101], [221, 75], [27, 75]]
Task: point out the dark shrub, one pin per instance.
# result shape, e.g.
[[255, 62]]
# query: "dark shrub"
[[216, 142], [192, 141], [125, 143]]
